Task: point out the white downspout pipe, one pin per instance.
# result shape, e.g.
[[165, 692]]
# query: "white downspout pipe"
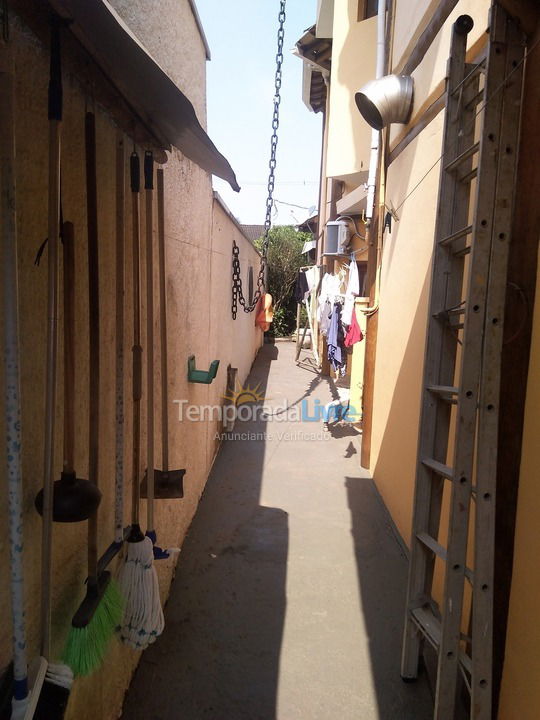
[[375, 134]]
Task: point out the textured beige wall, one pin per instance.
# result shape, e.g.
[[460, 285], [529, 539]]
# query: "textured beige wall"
[[170, 33], [353, 64], [198, 282]]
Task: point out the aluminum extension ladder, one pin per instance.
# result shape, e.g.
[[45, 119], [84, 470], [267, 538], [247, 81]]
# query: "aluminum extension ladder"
[[454, 504]]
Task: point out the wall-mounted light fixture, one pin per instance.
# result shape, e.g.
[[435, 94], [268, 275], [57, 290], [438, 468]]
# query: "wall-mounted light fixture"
[[385, 101]]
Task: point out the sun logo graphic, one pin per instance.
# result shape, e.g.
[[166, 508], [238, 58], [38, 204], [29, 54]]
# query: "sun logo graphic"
[[245, 395]]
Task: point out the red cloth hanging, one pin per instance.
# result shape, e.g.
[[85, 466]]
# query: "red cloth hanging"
[[354, 334], [264, 313]]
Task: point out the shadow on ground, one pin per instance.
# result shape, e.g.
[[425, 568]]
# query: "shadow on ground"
[[219, 655], [301, 546], [382, 578]]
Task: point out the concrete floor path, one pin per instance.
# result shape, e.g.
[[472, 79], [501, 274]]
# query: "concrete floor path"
[[288, 598]]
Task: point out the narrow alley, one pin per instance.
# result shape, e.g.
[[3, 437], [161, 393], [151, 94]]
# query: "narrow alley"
[[289, 594]]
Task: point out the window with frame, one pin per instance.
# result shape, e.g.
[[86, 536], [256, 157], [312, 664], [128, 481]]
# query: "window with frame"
[[367, 9]]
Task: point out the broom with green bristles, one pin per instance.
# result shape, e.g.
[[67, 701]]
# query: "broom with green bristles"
[[100, 613]]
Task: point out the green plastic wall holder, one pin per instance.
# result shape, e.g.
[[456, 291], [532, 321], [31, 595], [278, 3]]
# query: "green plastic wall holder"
[[201, 376]]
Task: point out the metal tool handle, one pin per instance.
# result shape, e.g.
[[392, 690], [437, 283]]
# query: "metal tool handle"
[[8, 234]]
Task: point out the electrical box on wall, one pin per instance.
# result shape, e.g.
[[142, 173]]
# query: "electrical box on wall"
[[337, 238]]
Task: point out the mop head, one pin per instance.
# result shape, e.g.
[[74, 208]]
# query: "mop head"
[[93, 626], [143, 616]]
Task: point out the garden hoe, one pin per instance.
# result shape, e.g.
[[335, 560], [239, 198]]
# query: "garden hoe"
[[157, 484]]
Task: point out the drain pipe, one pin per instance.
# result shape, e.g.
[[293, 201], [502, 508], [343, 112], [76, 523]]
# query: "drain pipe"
[[375, 134]]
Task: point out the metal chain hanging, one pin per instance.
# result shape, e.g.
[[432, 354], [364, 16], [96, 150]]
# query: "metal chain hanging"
[[237, 291]]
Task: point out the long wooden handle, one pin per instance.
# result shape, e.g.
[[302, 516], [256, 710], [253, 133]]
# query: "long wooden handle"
[[137, 350], [163, 322], [119, 283], [55, 120], [93, 315], [68, 239], [149, 193]]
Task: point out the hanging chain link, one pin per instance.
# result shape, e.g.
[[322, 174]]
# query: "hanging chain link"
[[237, 291]]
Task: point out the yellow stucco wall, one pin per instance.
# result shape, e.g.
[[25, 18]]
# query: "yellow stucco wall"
[[404, 290], [410, 20], [353, 64], [520, 693], [198, 246]]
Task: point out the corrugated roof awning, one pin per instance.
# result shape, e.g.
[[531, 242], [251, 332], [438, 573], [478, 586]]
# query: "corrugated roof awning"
[[317, 56], [149, 91]]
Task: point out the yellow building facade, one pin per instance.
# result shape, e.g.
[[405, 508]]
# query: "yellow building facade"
[[408, 183]]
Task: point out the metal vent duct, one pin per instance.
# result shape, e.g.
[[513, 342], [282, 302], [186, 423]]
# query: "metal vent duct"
[[385, 101]]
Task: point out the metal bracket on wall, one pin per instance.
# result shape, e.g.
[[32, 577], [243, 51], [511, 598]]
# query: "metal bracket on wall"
[[201, 376]]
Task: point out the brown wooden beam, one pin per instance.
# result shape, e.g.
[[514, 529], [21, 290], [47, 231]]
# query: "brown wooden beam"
[[526, 12], [522, 274], [420, 45]]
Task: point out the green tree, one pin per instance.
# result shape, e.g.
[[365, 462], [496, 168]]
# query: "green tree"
[[284, 260]]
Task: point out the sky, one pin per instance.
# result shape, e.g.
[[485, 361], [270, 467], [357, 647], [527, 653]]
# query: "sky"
[[242, 35]]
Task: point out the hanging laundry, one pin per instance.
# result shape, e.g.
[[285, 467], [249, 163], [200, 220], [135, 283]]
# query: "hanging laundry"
[[264, 313], [312, 277], [352, 292], [324, 317], [354, 334], [336, 354], [301, 289], [330, 288]]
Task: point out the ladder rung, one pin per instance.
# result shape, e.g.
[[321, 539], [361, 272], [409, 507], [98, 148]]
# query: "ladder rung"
[[439, 468], [450, 312], [432, 544], [463, 232], [440, 551], [474, 101], [476, 70], [469, 152], [430, 627], [428, 624], [468, 177], [445, 392], [461, 251]]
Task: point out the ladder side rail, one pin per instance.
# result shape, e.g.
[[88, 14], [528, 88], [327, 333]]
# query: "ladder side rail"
[[466, 424], [484, 562], [435, 337], [454, 270]]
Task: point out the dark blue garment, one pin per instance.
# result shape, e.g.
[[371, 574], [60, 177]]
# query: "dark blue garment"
[[335, 339]]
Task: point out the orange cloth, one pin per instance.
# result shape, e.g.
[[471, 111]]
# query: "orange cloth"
[[264, 313]]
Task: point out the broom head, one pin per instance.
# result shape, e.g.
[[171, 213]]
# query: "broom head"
[[93, 625]]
